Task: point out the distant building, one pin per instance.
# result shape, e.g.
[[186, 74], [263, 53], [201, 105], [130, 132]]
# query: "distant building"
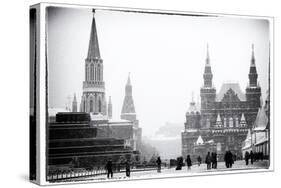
[[222, 117], [257, 139], [129, 113]]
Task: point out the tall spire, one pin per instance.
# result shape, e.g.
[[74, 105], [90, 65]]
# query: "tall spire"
[[128, 108], [93, 50], [208, 56], [129, 80], [208, 76], [253, 70], [74, 104], [128, 89], [253, 56], [94, 99]]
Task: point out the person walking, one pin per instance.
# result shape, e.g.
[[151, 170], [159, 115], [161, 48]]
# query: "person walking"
[[128, 168], [188, 162], [247, 156], [231, 160], [108, 167], [208, 161], [199, 160], [252, 157], [228, 158], [158, 161], [214, 160]]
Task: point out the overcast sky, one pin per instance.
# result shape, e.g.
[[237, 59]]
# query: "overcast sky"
[[164, 54]]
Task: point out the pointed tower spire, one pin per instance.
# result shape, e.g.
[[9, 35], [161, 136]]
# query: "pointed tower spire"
[[74, 104], [253, 76], [253, 56], [128, 108], [93, 50], [129, 80], [208, 76], [94, 100], [208, 56]]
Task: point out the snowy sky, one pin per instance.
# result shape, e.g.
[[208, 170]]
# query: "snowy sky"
[[165, 55]]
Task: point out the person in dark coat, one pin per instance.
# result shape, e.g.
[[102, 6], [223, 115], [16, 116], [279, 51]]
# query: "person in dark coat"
[[158, 161], [228, 158], [208, 161], [128, 168], [188, 162], [247, 156], [108, 167], [214, 160], [199, 160], [252, 157]]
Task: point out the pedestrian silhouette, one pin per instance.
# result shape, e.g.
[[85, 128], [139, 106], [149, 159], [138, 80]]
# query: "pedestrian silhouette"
[[108, 167], [208, 161], [252, 157], [188, 162], [199, 160], [128, 168], [158, 161], [247, 156], [214, 160]]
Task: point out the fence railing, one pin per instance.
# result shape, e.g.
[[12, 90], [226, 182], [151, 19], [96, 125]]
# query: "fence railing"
[[67, 175]]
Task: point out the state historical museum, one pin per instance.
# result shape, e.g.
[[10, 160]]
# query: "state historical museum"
[[222, 120]]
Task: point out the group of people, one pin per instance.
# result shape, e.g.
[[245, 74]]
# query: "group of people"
[[211, 160], [228, 159], [109, 168], [253, 156]]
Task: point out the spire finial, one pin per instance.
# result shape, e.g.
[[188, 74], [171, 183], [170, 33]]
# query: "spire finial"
[[192, 96], [253, 49], [129, 79], [208, 50], [253, 56], [208, 56]]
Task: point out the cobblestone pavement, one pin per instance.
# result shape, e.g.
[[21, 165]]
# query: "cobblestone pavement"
[[195, 169]]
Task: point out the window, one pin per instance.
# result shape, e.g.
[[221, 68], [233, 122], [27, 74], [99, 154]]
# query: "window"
[[91, 105], [99, 106], [92, 72]]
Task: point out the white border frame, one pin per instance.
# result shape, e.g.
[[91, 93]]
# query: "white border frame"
[[41, 110]]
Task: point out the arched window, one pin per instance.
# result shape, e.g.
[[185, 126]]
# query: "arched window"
[[92, 72], [95, 73], [99, 106], [91, 105], [98, 72]]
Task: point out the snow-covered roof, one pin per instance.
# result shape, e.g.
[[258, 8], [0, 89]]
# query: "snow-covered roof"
[[99, 116], [218, 118], [53, 111], [199, 140], [261, 120], [231, 85]]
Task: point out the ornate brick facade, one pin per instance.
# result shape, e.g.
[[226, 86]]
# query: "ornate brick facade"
[[222, 119]]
